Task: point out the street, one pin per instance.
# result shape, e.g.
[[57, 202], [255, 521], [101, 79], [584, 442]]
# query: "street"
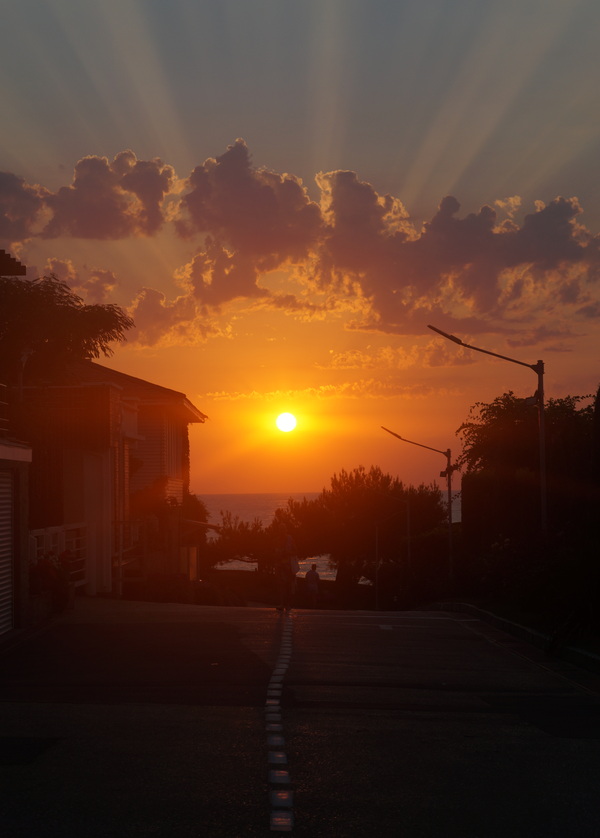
[[140, 719]]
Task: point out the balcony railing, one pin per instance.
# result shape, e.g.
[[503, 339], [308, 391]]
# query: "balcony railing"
[[66, 545]]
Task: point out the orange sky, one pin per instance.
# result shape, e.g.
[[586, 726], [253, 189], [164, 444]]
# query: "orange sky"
[[421, 164]]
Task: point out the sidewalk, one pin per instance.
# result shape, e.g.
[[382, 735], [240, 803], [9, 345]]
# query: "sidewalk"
[[570, 653]]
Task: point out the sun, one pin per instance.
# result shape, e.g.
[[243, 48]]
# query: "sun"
[[286, 422]]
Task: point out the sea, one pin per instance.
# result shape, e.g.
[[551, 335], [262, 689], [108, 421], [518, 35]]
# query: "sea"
[[261, 506], [249, 507]]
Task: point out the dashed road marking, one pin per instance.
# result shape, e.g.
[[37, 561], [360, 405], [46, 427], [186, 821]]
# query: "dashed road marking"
[[280, 795], [282, 798], [279, 776], [282, 820]]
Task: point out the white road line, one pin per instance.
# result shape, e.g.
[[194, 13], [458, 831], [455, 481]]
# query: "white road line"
[[282, 820], [281, 798]]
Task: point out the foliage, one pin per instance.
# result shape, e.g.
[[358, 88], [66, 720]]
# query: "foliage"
[[361, 521], [501, 448], [504, 434], [240, 540], [505, 556], [193, 508], [159, 514], [43, 323]]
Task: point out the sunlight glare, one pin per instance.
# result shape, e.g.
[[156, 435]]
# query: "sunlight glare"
[[286, 422]]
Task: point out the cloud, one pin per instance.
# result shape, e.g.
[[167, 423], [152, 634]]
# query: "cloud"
[[546, 332], [362, 226], [467, 268], [366, 388], [381, 358], [437, 353], [590, 311], [63, 269], [547, 239], [155, 317], [110, 200], [509, 205], [159, 321], [150, 181], [324, 391], [263, 216], [216, 276], [20, 208], [389, 358], [98, 288], [353, 253], [291, 304]]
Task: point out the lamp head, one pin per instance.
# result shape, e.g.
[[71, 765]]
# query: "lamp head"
[[446, 335]]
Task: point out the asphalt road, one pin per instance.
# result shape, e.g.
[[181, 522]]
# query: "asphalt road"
[[143, 719]]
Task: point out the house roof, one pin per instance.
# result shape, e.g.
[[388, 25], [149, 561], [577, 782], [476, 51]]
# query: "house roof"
[[88, 372], [10, 266]]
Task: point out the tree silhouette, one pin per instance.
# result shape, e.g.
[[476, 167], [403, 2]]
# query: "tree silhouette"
[[503, 435], [500, 491], [363, 513], [43, 324]]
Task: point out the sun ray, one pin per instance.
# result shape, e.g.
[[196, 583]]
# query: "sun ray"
[[133, 88], [479, 97], [326, 81]]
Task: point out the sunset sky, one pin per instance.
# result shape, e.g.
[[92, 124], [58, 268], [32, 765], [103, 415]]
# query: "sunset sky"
[[284, 194]]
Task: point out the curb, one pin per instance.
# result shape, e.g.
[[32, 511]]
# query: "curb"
[[570, 654]]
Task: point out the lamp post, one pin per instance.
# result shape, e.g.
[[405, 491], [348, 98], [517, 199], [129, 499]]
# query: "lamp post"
[[448, 475], [538, 369]]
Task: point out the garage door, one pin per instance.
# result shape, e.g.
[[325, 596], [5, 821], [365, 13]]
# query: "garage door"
[[6, 551]]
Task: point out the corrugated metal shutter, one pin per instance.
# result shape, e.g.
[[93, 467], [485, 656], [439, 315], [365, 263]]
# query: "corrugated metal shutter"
[[6, 551]]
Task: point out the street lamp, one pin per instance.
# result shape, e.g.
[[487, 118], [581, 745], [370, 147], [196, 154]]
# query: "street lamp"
[[448, 475], [538, 369]]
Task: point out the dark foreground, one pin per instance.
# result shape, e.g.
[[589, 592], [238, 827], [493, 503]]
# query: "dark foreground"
[[146, 719]]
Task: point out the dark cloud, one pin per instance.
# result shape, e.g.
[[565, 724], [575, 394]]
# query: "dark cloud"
[[370, 236], [459, 248], [110, 200], [100, 285], [65, 270], [20, 208], [452, 261], [158, 320], [590, 311], [264, 216], [540, 334], [293, 305], [217, 276], [546, 239], [96, 288], [357, 247], [363, 228], [150, 181]]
